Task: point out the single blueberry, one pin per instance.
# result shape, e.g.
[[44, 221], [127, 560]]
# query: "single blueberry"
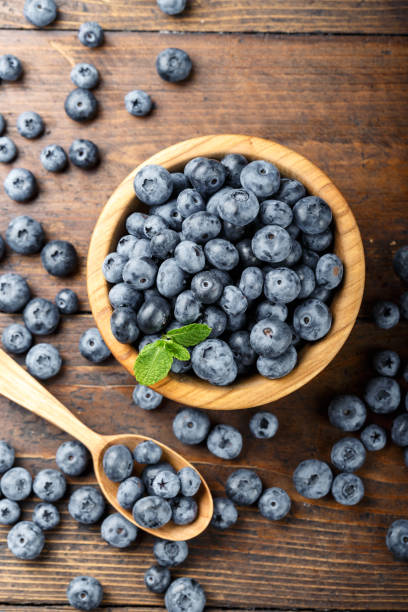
[[146, 398], [20, 185], [163, 244], [54, 158], [347, 412], [270, 337], [86, 505], [187, 308], [14, 292], [150, 472], [184, 510], [215, 199], [244, 354], [153, 185], [30, 125], [46, 516], [234, 164], [59, 258], [171, 279], [277, 367], [243, 487], [81, 105], [263, 425], [153, 225], [290, 191], [135, 224], [221, 254], [312, 478], [7, 456], [399, 430], [43, 361], [118, 531], [386, 363], [16, 339], [49, 485], [374, 437], [225, 442], [216, 319], [190, 481], [152, 512], [84, 154], [347, 489], [41, 316], [124, 325], [274, 504], [16, 484], [275, 212], [25, 235], [153, 315], [348, 455], [190, 201], [173, 65], [85, 76], [191, 426], [310, 258], [400, 261], [180, 182], [91, 34], [272, 244], [233, 301], [282, 284], [93, 347], [67, 301], [329, 271], [312, 319], [72, 458], [397, 539], [172, 7], [246, 254], [85, 593], [225, 513], [129, 491], [383, 394], [307, 280], [312, 215], [170, 554], [170, 214], [270, 310], [147, 452], [201, 227], [214, 361], [157, 578], [25, 540], [189, 256], [40, 13], [125, 245], [385, 314], [166, 484], [206, 287], [112, 267], [10, 68], [10, 512], [140, 272], [206, 175], [318, 242], [185, 594], [8, 150], [261, 178], [238, 206], [117, 462]]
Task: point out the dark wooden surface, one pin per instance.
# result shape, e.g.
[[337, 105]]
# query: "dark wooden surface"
[[341, 101]]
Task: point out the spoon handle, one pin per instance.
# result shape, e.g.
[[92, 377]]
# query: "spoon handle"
[[20, 387]]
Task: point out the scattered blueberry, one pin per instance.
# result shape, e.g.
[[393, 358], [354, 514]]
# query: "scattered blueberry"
[[25, 540], [404, 305], [43, 361], [16, 339], [8, 150], [385, 314], [40, 13], [347, 489], [191, 426], [274, 504], [157, 578], [146, 398], [173, 65], [9, 512], [54, 158], [172, 7], [20, 185], [91, 34], [25, 235], [85, 593], [85, 76], [7, 456], [41, 316], [118, 531], [152, 512], [243, 487], [170, 554], [399, 430], [93, 347], [374, 437], [347, 412], [46, 516], [84, 154], [129, 491], [270, 337], [81, 105], [185, 594], [386, 363], [382, 394], [348, 454], [225, 442], [117, 462], [59, 258], [30, 125], [10, 68], [400, 261], [397, 539], [312, 478], [16, 484], [225, 513], [67, 301], [72, 458], [49, 485], [14, 292], [138, 103], [263, 425], [86, 505]]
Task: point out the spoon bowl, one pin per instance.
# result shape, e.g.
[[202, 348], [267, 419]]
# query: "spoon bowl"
[[20, 387]]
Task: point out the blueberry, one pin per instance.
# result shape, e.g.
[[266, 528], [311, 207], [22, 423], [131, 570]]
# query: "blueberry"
[[244, 354], [7, 456], [152, 512], [246, 254], [238, 207], [233, 233], [140, 272], [321, 293], [236, 322], [91, 34], [125, 246], [225, 513], [85, 593], [46, 516], [206, 175], [275, 212], [189, 201], [223, 276], [347, 489], [282, 284], [147, 452], [312, 319], [170, 554], [153, 315], [397, 539], [135, 224], [233, 301], [171, 279], [166, 484], [25, 235], [172, 7], [215, 199], [20, 185], [2, 124], [383, 395], [385, 314], [293, 231], [290, 191], [400, 261], [85, 76], [271, 243], [225, 442], [347, 412], [404, 305], [263, 425], [157, 578], [86, 505], [16, 484], [201, 227], [206, 287], [234, 164], [150, 472], [43, 361], [329, 271], [118, 531], [310, 258], [67, 301], [30, 125], [9, 512], [274, 504], [173, 65], [348, 454], [318, 242], [184, 510], [163, 244], [49, 485], [312, 478], [270, 337], [124, 325], [294, 256], [187, 308], [221, 254], [270, 310], [25, 540], [84, 154], [16, 339], [117, 462], [170, 214], [180, 367], [14, 292], [93, 347], [190, 481], [185, 594], [72, 458], [40, 13], [312, 215], [8, 150], [386, 363], [153, 225], [189, 256], [59, 258], [374, 437], [153, 185], [41, 316], [243, 487], [191, 426], [129, 491], [399, 430], [112, 267], [10, 68], [261, 178], [81, 105], [277, 367], [251, 282], [54, 158], [146, 398], [214, 361]]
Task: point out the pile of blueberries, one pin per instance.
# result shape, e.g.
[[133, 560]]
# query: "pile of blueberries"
[[233, 245]]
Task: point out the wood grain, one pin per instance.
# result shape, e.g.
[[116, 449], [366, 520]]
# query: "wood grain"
[[348, 16]]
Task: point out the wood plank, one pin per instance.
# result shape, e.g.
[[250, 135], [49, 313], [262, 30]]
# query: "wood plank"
[[348, 16], [339, 101]]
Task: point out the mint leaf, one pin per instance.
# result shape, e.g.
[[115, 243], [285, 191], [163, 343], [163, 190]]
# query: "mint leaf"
[[189, 335], [177, 350], [153, 363]]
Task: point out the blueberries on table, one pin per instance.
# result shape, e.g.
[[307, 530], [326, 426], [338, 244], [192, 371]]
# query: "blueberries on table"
[[16, 339], [3, 125], [374, 437], [118, 531], [93, 347], [43, 361], [84, 154], [348, 454], [91, 34], [347, 489], [185, 592], [8, 150], [225, 442], [46, 516], [383, 395], [40, 13], [85, 593], [14, 292], [117, 462], [404, 305], [274, 504], [25, 235], [170, 554], [16, 483], [263, 425], [86, 505], [225, 513], [243, 487], [146, 398], [313, 478], [157, 578], [54, 158], [59, 258], [25, 540], [81, 105], [72, 458], [10, 68], [173, 65], [385, 314], [10, 512], [85, 76], [129, 491], [20, 185], [67, 301], [49, 485], [400, 261], [172, 7], [41, 316], [138, 103], [386, 363], [399, 430], [7, 456], [152, 512], [191, 426], [397, 539], [347, 412], [30, 125]]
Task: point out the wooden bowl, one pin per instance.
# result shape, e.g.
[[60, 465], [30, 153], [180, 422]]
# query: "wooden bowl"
[[313, 358]]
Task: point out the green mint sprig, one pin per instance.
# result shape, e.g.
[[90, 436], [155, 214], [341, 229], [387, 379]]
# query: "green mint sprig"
[[154, 360]]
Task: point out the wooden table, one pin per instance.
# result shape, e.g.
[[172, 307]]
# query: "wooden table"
[[328, 79]]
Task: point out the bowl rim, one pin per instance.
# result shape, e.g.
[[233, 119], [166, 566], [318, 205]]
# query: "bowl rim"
[[254, 390]]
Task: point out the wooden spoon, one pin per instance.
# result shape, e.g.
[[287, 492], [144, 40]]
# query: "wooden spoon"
[[17, 385]]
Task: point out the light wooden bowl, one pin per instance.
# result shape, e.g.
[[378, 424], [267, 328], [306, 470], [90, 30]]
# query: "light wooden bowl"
[[255, 390]]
